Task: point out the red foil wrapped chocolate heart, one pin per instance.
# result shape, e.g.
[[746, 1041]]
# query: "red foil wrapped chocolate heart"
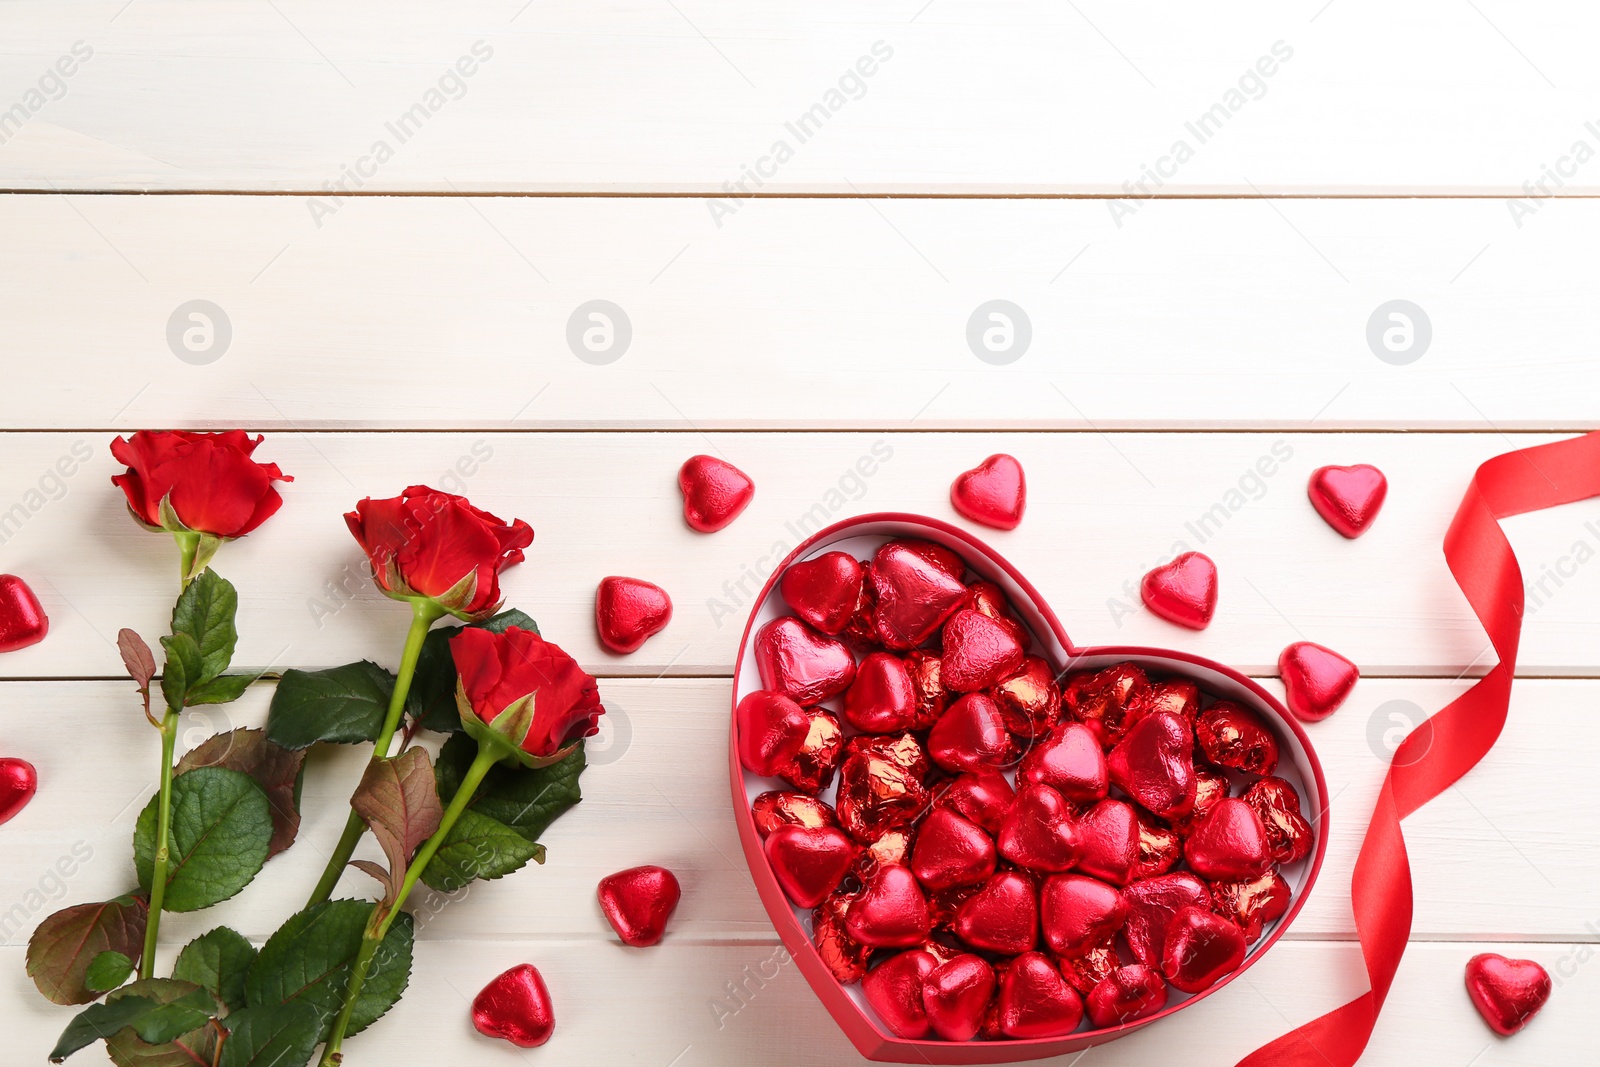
[[986, 598], [771, 729], [1076, 913], [1126, 994], [1035, 1001], [629, 611], [1210, 785], [515, 1007], [1252, 905], [971, 736], [904, 750], [1002, 916], [811, 769], [1178, 697], [1039, 832], [1200, 948], [894, 989], [994, 493], [891, 911], [918, 587], [1507, 993], [1030, 700], [638, 902], [1108, 841], [1278, 806], [923, 669], [894, 846], [1348, 498], [714, 492], [951, 851], [1183, 591], [956, 996], [1154, 764], [22, 619], [1316, 680], [18, 783], [1234, 737], [780, 807], [843, 955], [1160, 848], [826, 592], [877, 794], [882, 699], [809, 862], [977, 652], [802, 664], [981, 796], [1152, 903], [1102, 700], [1229, 844], [1069, 761], [1086, 969]]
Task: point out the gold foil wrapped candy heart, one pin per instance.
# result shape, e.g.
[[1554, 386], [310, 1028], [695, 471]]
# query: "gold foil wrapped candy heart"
[[1278, 805], [811, 769]]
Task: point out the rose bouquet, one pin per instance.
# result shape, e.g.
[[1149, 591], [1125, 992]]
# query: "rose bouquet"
[[513, 710]]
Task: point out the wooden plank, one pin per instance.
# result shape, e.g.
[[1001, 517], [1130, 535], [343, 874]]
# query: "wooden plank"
[[1495, 858], [616, 1005], [1103, 510], [451, 312], [903, 97]]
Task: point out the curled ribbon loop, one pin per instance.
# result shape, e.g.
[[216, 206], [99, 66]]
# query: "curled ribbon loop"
[[1449, 744]]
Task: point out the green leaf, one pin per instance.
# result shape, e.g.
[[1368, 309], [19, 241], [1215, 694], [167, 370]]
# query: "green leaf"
[[128, 1049], [399, 801], [223, 689], [308, 960], [525, 799], [276, 1035], [479, 847], [107, 971], [344, 705], [205, 612], [277, 770], [221, 831], [219, 961], [65, 944], [154, 1022], [432, 697], [182, 668]]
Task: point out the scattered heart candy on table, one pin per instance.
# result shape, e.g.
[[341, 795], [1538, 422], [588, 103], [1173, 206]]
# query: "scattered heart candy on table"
[[1183, 591], [18, 783], [1348, 498], [1316, 679], [1507, 993], [714, 492], [994, 493], [629, 611], [515, 1006], [22, 619], [638, 902], [999, 828]]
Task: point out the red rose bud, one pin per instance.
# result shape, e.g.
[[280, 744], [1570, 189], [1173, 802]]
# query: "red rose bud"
[[1035, 1001], [1154, 764], [780, 808], [770, 729], [826, 591], [809, 863], [891, 911], [1252, 905], [951, 851], [1230, 844], [202, 487], [956, 996], [1039, 832], [894, 989], [1201, 948], [429, 545], [1126, 994], [845, 958], [1077, 913], [882, 699], [523, 694], [1069, 761], [801, 663], [1002, 917], [1234, 737], [638, 902], [1278, 806], [811, 769], [1152, 903], [977, 652]]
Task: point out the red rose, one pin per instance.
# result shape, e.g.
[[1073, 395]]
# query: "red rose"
[[425, 543], [520, 691], [202, 483]]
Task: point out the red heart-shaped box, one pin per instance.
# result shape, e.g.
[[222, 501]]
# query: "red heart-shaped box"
[[861, 536]]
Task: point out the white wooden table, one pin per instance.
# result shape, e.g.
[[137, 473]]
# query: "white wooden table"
[[916, 159]]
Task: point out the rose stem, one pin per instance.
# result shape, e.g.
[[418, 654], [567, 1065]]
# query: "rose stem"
[[424, 613], [378, 925], [158, 875]]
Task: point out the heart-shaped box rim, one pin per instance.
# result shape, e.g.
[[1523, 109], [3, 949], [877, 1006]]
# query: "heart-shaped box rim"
[[864, 1032]]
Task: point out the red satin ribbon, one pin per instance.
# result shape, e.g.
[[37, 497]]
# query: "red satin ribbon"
[[1449, 744]]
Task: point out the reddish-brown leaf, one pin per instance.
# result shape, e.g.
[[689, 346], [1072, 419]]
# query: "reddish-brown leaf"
[[61, 949], [400, 802], [275, 769], [136, 657]]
